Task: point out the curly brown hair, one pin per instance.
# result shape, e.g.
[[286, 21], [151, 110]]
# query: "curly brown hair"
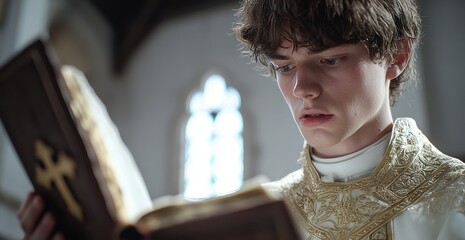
[[321, 24]]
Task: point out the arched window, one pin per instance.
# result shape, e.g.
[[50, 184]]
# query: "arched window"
[[213, 156]]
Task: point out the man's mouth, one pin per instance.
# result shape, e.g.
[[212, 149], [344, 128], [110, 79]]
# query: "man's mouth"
[[314, 115], [314, 119]]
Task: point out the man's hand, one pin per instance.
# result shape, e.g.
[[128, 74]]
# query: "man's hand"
[[36, 224]]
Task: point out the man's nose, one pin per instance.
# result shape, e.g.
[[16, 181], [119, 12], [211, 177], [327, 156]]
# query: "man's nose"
[[306, 85]]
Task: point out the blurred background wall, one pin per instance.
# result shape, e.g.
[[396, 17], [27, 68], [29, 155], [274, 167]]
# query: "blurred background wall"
[[147, 97]]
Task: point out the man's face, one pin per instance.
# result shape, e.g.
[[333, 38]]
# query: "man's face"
[[339, 98]]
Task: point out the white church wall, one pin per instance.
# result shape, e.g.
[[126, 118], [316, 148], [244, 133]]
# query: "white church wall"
[[443, 73], [158, 81]]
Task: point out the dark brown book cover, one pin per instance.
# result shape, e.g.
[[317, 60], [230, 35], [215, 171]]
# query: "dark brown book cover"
[[42, 130], [252, 213], [268, 221]]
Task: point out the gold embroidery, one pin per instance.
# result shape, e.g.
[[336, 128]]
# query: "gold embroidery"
[[382, 233], [411, 169]]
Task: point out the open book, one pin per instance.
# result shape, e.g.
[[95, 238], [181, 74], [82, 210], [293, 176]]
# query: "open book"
[[76, 160]]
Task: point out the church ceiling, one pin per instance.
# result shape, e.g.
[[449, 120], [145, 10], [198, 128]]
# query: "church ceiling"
[[131, 21]]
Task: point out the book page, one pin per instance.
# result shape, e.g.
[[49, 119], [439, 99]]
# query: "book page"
[[174, 210], [119, 169]]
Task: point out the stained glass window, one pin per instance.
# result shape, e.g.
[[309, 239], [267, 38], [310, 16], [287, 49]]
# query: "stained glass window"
[[213, 163]]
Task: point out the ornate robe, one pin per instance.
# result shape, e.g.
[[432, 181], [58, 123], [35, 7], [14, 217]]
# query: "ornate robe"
[[416, 192]]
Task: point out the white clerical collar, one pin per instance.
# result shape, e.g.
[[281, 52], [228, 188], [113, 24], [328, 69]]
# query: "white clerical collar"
[[353, 166]]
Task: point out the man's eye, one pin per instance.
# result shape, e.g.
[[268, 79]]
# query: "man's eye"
[[331, 61], [285, 68]]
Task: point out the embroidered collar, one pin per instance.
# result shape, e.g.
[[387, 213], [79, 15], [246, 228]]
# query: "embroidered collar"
[[353, 210]]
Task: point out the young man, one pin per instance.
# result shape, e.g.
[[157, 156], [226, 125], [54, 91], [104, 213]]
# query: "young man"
[[340, 66]]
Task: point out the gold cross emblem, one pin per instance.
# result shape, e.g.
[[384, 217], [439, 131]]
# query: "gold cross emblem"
[[55, 172]]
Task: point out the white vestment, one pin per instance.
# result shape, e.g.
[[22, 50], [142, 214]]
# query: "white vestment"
[[400, 187]]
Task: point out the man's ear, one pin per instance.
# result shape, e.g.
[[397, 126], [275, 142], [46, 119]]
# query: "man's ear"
[[399, 60]]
